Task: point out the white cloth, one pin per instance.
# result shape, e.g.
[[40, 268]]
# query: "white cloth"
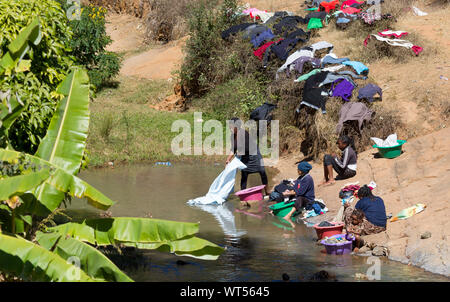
[[394, 42], [333, 68], [222, 186], [418, 12], [390, 141], [304, 53]]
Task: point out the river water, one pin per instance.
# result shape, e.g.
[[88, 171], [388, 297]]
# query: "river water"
[[259, 247]]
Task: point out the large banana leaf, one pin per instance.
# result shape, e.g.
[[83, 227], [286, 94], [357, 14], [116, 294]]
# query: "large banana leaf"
[[92, 261], [9, 115], [16, 185], [144, 233], [64, 182], [19, 47], [33, 262], [65, 141]]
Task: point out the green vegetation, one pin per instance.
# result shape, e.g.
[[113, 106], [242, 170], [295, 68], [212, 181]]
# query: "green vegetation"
[[42, 69], [33, 187]]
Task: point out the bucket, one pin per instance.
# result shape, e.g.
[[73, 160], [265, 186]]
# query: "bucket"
[[254, 193], [338, 248], [391, 152], [281, 209], [329, 231]]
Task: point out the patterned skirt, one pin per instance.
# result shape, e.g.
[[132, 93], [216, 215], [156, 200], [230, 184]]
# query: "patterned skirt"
[[363, 228]]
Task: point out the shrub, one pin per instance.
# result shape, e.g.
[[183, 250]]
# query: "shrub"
[[89, 45], [49, 65], [205, 23]]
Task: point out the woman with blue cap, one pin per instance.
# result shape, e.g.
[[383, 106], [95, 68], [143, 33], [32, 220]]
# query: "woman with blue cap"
[[303, 189]]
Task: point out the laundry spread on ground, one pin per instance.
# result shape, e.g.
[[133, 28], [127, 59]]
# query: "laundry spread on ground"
[[409, 212], [395, 42]]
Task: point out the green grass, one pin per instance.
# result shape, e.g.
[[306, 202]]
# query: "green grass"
[[125, 129]]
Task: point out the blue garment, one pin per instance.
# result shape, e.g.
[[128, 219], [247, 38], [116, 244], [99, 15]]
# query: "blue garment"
[[304, 186], [258, 39], [304, 166], [330, 60], [358, 66], [343, 20], [374, 210]]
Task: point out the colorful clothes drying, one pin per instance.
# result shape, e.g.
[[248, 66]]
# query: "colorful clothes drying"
[[287, 23], [314, 23], [332, 59], [348, 3], [342, 88], [370, 17], [350, 10], [353, 111], [258, 39], [261, 50], [254, 30], [391, 33], [235, 29], [408, 212], [328, 6], [369, 91], [396, 42], [298, 64], [308, 75], [359, 67]]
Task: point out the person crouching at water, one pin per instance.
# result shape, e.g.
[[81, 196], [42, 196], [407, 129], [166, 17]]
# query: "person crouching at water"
[[247, 150], [345, 167], [368, 217], [303, 189]]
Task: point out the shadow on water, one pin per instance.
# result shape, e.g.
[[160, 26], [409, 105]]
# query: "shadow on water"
[[258, 246]]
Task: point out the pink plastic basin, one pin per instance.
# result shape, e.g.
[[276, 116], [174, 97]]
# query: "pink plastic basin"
[[251, 194], [323, 232]]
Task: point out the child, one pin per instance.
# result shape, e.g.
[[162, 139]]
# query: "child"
[[344, 167], [303, 189]]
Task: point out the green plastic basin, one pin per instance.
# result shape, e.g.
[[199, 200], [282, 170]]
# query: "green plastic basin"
[[391, 152], [281, 209]]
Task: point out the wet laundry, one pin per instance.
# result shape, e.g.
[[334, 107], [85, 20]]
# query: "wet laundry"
[[299, 63], [390, 141], [331, 77], [352, 3], [262, 49], [333, 59], [359, 67], [287, 23], [314, 23], [369, 91], [253, 30], [328, 6], [325, 224], [353, 111], [396, 42]]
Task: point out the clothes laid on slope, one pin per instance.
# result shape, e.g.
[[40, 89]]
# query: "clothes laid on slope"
[[392, 33], [277, 17], [396, 42], [342, 88], [353, 111], [262, 49], [235, 29], [299, 63], [408, 212], [369, 91], [318, 15], [350, 10], [359, 67], [222, 186], [331, 77], [370, 17], [352, 74], [313, 95], [253, 30], [262, 113], [332, 59], [299, 33], [314, 23], [258, 39], [308, 75], [287, 23], [351, 3], [306, 52], [283, 48], [328, 6]]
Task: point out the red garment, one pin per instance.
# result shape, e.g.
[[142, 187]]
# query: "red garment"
[[260, 51], [329, 5], [349, 3], [417, 49], [384, 34], [350, 10]]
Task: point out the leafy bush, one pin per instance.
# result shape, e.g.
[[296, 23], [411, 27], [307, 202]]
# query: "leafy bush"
[[49, 65], [206, 23], [89, 45]]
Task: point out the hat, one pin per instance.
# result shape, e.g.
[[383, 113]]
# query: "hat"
[[304, 166]]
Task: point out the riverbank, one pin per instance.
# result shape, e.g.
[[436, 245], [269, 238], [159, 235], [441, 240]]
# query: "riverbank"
[[419, 175]]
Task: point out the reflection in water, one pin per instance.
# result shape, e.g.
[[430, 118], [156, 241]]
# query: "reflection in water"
[[224, 215], [259, 247]]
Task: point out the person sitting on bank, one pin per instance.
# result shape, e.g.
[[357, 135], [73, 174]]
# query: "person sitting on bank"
[[303, 189], [345, 166], [368, 217], [254, 162]]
